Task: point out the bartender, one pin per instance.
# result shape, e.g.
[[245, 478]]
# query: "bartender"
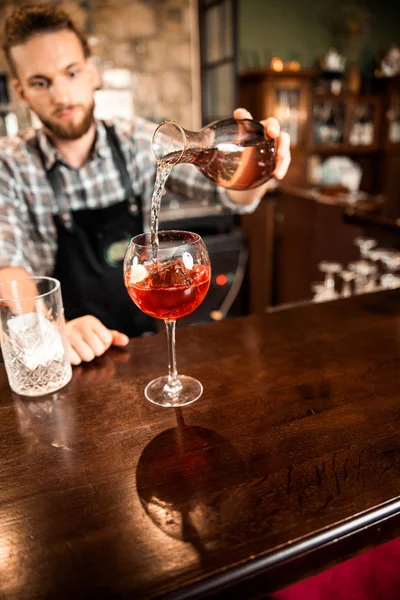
[[73, 192]]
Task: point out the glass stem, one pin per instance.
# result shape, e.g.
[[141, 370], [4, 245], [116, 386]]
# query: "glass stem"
[[173, 386], [329, 282], [346, 291]]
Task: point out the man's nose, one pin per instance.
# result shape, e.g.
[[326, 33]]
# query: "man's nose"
[[60, 92]]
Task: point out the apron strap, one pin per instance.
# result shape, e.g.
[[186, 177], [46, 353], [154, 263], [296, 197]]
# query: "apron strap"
[[54, 178], [134, 202]]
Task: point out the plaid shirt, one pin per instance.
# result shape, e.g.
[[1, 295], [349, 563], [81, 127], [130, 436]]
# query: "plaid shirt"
[[28, 237]]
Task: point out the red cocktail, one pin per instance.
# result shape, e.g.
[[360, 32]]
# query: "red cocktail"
[[169, 286], [172, 291]]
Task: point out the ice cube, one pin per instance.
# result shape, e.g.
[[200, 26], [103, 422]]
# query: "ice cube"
[[187, 260], [35, 340], [137, 273], [171, 274]]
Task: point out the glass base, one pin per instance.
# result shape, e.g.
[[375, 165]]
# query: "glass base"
[[41, 381], [189, 392]]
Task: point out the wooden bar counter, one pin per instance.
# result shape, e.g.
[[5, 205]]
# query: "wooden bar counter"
[[289, 463]]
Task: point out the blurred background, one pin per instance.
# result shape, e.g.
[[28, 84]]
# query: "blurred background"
[[328, 70]]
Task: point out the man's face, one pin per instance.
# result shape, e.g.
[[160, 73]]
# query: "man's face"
[[57, 82]]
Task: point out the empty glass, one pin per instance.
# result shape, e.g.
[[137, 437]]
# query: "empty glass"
[[391, 260], [366, 276], [32, 336], [348, 277], [320, 292], [374, 256], [330, 269], [373, 276], [390, 281], [365, 244]]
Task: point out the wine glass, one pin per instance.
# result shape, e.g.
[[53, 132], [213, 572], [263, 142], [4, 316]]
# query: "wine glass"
[[362, 270], [330, 269], [365, 244], [374, 256], [168, 286], [319, 291], [373, 276], [391, 260], [347, 277]]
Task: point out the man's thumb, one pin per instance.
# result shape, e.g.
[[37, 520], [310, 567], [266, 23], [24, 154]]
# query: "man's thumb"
[[119, 339]]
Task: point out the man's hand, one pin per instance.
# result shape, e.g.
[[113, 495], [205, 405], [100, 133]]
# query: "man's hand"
[[88, 338], [282, 155], [282, 141]]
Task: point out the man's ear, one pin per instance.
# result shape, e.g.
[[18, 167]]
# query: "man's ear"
[[94, 73], [18, 89]]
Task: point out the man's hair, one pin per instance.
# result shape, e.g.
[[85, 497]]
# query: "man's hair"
[[29, 21]]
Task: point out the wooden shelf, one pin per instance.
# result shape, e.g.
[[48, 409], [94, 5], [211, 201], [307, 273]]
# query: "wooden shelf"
[[265, 72]]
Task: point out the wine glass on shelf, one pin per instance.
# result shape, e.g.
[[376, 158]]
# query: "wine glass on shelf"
[[362, 270], [319, 292], [373, 276], [169, 284], [347, 277], [375, 256], [391, 260], [330, 269], [365, 244]]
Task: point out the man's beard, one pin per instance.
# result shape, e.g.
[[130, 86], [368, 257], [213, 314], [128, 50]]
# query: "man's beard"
[[71, 130]]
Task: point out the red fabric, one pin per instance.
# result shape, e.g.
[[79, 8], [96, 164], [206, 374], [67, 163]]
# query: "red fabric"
[[374, 575]]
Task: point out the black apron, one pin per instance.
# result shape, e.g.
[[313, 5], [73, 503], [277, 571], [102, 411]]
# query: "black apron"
[[89, 260]]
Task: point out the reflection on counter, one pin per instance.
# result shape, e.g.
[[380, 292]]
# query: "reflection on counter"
[[46, 421]]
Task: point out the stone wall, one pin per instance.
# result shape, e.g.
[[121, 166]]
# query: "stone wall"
[[157, 40]]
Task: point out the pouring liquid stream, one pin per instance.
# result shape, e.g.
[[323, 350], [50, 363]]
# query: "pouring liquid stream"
[[163, 170]]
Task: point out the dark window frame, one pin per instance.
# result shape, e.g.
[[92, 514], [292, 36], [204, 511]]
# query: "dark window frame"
[[207, 67]]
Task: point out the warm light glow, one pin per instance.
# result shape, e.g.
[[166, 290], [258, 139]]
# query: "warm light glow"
[[216, 315], [277, 64], [5, 551], [12, 573], [293, 65]]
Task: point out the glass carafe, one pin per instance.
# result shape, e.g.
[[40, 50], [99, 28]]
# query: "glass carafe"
[[233, 153]]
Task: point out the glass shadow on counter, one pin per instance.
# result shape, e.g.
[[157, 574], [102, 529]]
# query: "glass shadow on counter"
[[190, 481]]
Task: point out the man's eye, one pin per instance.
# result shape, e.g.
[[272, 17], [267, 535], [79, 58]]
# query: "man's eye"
[[40, 84], [73, 74]]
